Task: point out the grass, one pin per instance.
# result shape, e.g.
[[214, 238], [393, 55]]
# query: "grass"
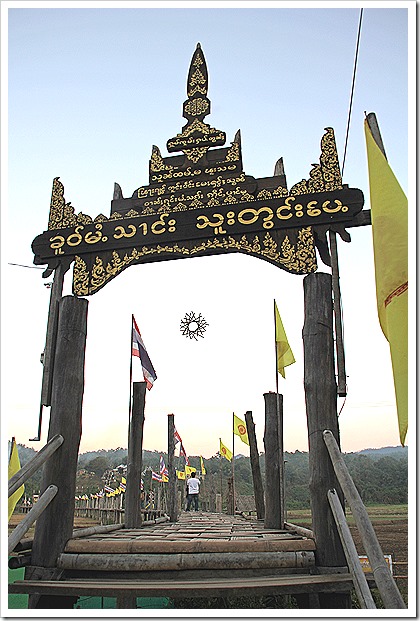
[[375, 512]]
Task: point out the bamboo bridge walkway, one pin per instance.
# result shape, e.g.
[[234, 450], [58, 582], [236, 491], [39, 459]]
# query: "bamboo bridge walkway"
[[200, 555]]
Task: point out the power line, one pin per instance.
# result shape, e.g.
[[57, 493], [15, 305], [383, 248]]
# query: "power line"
[[352, 88], [31, 267]]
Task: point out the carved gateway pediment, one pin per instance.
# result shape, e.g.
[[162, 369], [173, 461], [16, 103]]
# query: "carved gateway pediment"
[[200, 202]]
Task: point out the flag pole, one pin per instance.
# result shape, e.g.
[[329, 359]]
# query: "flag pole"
[[233, 466], [220, 456], [131, 367]]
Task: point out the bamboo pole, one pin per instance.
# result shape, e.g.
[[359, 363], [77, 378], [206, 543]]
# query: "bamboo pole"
[[388, 589], [34, 464], [192, 561], [197, 545], [31, 517], [359, 579]]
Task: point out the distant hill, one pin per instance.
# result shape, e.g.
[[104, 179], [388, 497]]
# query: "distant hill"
[[380, 475], [386, 451]]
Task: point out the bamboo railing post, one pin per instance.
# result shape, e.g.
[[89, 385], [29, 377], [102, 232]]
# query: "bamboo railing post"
[[321, 406], [34, 464], [359, 579], [387, 587], [255, 467], [20, 530], [134, 461]]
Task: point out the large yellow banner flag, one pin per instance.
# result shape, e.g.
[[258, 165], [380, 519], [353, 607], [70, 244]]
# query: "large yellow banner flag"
[[239, 429], [284, 353], [14, 466], [225, 452], [389, 213]]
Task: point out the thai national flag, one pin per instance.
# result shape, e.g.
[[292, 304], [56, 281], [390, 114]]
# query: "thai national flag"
[[177, 437], [138, 349], [156, 477], [163, 468]]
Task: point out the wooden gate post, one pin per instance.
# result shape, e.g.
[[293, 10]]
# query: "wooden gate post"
[[172, 508], [55, 526], [274, 466], [321, 411], [255, 466], [132, 517]]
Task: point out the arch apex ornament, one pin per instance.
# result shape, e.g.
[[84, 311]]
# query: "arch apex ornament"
[[201, 202]]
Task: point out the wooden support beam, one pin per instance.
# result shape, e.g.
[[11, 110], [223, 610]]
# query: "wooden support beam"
[[260, 585], [132, 516], [255, 467], [359, 579], [172, 503], [388, 589], [55, 525], [274, 464], [321, 406], [51, 336]]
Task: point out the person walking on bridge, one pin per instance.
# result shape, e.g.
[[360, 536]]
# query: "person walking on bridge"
[[193, 487]]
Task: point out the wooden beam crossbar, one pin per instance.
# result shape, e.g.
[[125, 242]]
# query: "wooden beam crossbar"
[[180, 588]]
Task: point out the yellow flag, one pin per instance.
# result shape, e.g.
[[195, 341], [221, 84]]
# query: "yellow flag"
[[203, 469], [14, 466], [180, 475], [225, 452], [389, 213], [189, 469], [239, 429], [283, 352]]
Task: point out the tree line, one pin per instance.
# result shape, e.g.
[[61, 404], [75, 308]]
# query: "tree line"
[[380, 475]]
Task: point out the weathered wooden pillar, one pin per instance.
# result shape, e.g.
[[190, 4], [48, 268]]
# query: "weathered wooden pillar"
[[132, 517], [55, 526], [321, 411], [274, 463], [172, 508], [255, 466]]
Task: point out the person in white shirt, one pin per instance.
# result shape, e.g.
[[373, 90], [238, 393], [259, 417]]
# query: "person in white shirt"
[[193, 488]]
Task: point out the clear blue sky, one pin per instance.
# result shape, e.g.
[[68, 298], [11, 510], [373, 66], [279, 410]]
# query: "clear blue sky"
[[90, 90]]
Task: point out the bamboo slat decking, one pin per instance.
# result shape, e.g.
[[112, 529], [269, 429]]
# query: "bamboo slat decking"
[[212, 553]]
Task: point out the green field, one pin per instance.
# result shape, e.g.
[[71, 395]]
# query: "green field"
[[375, 512]]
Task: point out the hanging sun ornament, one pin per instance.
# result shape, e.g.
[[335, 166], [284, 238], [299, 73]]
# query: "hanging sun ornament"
[[192, 325]]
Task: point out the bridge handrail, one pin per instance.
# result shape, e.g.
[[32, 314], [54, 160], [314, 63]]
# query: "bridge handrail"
[[21, 530], [359, 579], [387, 587], [34, 464]]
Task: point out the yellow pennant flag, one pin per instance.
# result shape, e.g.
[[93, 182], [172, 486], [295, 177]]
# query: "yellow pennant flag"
[[284, 354], [14, 466], [189, 469], [180, 475], [239, 429], [389, 214], [203, 469], [225, 452]]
